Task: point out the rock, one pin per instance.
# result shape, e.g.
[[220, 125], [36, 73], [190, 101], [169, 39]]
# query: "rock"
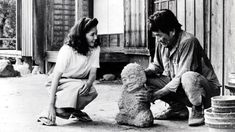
[[22, 68], [7, 70], [131, 111], [108, 77], [18, 61], [36, 70]]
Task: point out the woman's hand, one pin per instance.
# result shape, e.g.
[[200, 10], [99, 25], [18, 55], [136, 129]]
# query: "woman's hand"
[[85, 89], [51, 110], [52, 114]]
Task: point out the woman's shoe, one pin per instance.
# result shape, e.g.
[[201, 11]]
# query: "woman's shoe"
[[62, 113], [81, 116], [45, 121]]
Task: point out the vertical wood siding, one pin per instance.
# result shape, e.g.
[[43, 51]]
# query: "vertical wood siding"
[[181, 12], [207, 27], [27, 28], [229, 38], [61, 17], [83, 8], [189, 16], [199, 21], [134, 17], [217, 37]]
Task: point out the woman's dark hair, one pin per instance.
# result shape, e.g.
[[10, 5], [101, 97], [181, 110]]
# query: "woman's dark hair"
[[164, 20], [76, 37]]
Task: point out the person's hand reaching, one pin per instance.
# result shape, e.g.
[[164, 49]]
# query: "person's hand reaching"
[[85, 89], [52, 114]]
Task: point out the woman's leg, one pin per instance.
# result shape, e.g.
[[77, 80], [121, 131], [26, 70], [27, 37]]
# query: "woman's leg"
[[64, 113], [83, 100]]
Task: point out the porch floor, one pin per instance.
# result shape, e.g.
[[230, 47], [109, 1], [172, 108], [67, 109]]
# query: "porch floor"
[[23, 98]]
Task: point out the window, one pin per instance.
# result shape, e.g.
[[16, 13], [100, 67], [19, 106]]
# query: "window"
[[8, 24], [110, 15]]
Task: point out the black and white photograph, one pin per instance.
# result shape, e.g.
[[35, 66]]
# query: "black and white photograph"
[[117, 65]]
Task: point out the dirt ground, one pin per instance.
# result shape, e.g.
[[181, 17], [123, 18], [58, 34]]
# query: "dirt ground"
[[23, 98]]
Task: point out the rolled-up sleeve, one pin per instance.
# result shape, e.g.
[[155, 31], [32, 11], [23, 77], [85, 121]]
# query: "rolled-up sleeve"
[[96, 58], [63, 59]]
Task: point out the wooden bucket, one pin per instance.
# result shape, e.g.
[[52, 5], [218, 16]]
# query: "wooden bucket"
[[223, 104], [220, 122]]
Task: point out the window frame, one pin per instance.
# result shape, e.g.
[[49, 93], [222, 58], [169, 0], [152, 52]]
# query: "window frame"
[[17, 50]]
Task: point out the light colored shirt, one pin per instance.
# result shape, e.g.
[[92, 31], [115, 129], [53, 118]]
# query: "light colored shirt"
[[76, 65], [186, 55]]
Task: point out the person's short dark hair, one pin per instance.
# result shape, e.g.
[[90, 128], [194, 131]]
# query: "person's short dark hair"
[[76, 37], [164, 20]]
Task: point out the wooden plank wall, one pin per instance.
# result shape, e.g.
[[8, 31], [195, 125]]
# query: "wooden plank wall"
[[190, 15], [172, 6], [27, 28], [112, 42], [217, 38], [60, 19], [229, 38], [84, 8], [165, 4], [220, 37], [199, 21], [181, 12], [135, 29], [134, 17]]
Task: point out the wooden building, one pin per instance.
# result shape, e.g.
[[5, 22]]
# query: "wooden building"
[[44, 23]]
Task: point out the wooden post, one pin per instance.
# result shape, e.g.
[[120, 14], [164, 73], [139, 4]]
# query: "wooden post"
[[39, 38], [217, 38]]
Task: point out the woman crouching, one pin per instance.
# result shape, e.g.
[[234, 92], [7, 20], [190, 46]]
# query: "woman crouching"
[[78, 59]]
